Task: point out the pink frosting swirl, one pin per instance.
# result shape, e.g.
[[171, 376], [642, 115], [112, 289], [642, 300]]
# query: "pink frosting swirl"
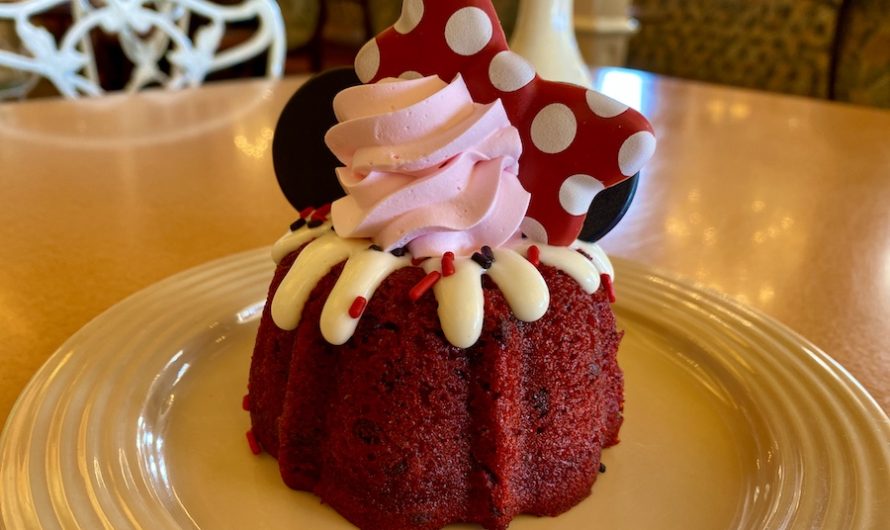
[[426, 167]]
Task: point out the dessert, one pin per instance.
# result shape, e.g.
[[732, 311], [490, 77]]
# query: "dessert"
[[436, 346]]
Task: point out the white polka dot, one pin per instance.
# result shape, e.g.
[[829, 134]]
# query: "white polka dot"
[[604, 106], [411, 74], [468, 31], [635, 151], [412, 12], [554, 128], [367, 62], [509, 72], [534, 230], [577, 192]]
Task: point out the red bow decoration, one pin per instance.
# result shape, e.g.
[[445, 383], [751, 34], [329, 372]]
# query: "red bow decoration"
[[575, 141]]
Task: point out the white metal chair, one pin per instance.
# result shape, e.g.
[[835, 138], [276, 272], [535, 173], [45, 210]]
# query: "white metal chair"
[[149, 31]]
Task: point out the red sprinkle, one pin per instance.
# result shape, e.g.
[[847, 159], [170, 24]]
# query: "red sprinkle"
[[534, 255], [423, 285], [606, 280], [254, 445], [448, 264], [304, 213], [417, 261], [245, 402], [358, 306], [322, 212]]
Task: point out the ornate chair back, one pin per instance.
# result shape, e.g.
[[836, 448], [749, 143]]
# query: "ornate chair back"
[[158, 37]]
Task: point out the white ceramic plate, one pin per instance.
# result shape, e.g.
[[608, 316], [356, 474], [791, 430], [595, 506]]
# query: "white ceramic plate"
[[731, 421]]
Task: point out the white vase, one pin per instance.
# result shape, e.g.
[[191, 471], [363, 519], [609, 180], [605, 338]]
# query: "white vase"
[[603, 29], [545, 35]]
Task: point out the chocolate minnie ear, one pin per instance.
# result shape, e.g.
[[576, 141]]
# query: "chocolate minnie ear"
[[303, 163], [607, 208]]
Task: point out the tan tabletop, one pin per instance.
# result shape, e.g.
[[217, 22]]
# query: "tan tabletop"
[[778, 202]]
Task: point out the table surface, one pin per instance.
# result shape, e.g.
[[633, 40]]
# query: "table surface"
[[778, 202]]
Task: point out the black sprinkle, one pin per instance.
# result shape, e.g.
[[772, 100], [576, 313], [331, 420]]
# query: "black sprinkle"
[[486, 251], [378, 248], [524, 236], [602, 467], [399, 252], [314, 223], [333, 229], [298, 224], [483, 261], [367, 431]]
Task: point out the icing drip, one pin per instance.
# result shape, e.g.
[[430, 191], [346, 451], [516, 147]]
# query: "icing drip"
[[293, 240], [459, 294], [573, 263], [361, 276], [460, 301], [523, 286], [316, 260], [597, 255]]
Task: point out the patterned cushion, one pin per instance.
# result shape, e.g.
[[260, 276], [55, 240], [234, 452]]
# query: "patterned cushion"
[[385, 12], [777, 45], [863, 68]]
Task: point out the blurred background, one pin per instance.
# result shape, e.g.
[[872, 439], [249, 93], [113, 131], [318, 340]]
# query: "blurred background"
[[832, 49]]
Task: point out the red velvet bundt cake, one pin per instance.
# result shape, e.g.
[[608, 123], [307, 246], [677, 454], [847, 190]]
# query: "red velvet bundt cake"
[[398, 429], [437, 347]]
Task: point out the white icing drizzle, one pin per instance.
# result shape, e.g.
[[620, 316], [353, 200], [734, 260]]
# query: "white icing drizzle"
[[313, 263], [573, 263], [598, 255], [291, 241], [459, 296], [523, 286], [461, 303], [361, 276]]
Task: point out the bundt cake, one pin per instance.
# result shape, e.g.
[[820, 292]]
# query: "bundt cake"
[[398, 429], [437, 346]]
